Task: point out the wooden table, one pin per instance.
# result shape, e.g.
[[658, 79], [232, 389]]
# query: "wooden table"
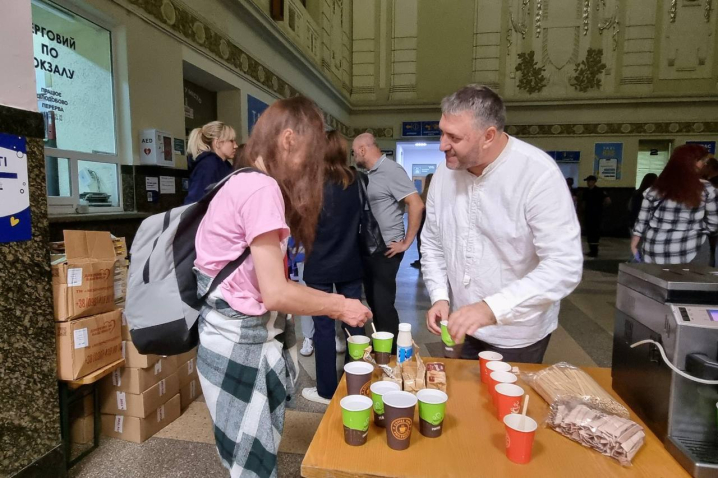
[[472, 443]]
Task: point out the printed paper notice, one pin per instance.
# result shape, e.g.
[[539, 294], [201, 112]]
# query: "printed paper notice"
[[190, 366], [152, 184], [160, 413], [121, 401], [123, 350], [158, 367], [81, 339], [119, 419], [192, 389], [74, 277], [163, 387], [167, 185], [116, 378]]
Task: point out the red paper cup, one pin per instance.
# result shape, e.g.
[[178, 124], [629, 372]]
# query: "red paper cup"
[[508, 399], [496, 378], [484, 358], [520, 432]]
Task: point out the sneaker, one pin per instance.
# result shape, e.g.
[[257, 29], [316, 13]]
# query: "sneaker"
[[307, 347], [340, 345], [312, 395]]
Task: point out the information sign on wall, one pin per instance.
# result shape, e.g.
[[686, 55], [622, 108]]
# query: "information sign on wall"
[[15, 222], [608, 160], [709, 145], [411, 128], [565, 156], [420, 128], [255, 108]]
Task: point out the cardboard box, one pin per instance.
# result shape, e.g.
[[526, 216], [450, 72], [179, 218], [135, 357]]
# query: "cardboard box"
[[125, 327], [116, 402], [88, 344], [135, 359], [183, 358], [83, 284], [189, 393], [187, 372], [82, 430], [83, 408], [137, 380], [140, 429]]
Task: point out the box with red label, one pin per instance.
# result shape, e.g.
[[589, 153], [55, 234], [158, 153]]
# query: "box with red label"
[[83, 283], [116, 402], [88, 344], [140, 429], [137, 380], [189, 393]]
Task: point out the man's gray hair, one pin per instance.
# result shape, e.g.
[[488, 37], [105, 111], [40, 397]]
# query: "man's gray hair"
[[485, 105]]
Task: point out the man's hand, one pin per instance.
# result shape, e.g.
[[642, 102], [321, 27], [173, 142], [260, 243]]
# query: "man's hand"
[[396, 248], [354, 313], [469, 319], [438, 312]]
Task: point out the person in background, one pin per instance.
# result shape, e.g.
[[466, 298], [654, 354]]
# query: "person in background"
[[211, 149], [594, 200], [389, 189], [501, 246], [572, 190], [247, 361], [634, 204], [710, 171], [335, 261], [425, 192], [679, 212]]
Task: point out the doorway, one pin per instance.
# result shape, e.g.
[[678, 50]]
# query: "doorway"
[[653, 154], [419, 159]]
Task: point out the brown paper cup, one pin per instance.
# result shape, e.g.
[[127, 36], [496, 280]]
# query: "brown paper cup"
[[399, 418], [358, 378]]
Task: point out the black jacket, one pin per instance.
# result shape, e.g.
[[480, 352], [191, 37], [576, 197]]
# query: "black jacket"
[[206, 169]]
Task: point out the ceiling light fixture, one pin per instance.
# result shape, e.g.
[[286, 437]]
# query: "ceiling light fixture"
[[419, 144]]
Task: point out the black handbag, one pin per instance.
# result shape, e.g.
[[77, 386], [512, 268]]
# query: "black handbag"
[[370, 238]]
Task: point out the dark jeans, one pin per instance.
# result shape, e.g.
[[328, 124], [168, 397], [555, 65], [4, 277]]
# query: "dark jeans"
[[593, 234], [324, 333], [380, 289], [531, 354], [418, 234]]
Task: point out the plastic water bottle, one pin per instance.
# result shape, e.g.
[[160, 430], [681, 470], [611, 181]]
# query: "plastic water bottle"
[[404, 343]]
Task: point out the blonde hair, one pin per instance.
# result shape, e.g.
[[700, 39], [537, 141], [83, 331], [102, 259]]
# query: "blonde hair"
[[202, 139]]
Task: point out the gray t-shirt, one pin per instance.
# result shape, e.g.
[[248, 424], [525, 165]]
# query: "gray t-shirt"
[[388, 186]]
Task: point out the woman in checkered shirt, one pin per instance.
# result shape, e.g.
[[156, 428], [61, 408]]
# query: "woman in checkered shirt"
[[678, 213]]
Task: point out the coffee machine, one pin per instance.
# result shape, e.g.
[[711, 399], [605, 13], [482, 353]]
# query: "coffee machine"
[[674, 308]]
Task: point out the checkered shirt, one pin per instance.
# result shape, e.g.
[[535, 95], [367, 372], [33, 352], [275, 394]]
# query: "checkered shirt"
[[247, 367], [672, 233]]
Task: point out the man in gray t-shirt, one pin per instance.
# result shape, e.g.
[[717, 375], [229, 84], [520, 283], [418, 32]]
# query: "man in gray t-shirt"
[[389, 190]]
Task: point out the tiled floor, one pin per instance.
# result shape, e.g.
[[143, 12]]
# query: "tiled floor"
[[186, 447]]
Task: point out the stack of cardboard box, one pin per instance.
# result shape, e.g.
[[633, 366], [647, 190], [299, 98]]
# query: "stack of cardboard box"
[[188, 378], [121, 269], [82, 421]]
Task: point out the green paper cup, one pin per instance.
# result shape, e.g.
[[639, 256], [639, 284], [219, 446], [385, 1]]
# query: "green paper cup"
[[432, 409], [356, 411], [378, 389], [445, 337], [357, 344], [382, 342]]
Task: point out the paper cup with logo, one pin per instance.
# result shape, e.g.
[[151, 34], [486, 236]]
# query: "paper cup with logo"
[[356, 412], [356, 345], [495, 366], [484, 358], [432, 409], [520, 433], [508, 399], [378, 389], [382, 342], [358, 378], [499, 377], [399, 418], [452, 349]]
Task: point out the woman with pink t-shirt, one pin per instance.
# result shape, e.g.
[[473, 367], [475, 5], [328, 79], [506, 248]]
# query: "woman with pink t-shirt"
[[247, 353]]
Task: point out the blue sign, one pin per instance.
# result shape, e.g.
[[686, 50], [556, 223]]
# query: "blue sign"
[[15, 223], [423, 169], [608, 160], [411, 128], [565, 156], [430, 128], [709, 145], [255, 108]]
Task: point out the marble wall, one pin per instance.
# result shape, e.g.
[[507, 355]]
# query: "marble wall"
[[29, 407]]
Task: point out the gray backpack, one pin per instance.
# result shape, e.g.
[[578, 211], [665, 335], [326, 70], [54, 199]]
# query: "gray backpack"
[[162, 305]]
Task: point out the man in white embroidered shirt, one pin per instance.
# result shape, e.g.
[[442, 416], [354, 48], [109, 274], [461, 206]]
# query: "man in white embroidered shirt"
[[501, 245]]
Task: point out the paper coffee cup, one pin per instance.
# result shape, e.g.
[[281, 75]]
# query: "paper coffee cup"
[[358, 378], [382, 342], [508, 399], [496, 378], [432, 409], [446, 337], [356, 410], [520, 433], [484, 358], [356, 345], [399, 418], [378, 389]]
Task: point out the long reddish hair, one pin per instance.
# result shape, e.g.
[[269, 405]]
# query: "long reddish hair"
[[335, 160], [297, 180], [680, 180]]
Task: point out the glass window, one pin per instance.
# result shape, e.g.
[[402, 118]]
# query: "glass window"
[[73, 71]]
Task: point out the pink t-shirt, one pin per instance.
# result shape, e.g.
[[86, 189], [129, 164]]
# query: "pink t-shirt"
[[249, 205]]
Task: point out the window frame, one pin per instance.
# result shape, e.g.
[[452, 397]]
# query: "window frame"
[[59, 205]]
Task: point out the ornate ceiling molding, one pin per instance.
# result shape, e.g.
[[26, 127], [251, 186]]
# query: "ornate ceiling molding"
[[662, 128]]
